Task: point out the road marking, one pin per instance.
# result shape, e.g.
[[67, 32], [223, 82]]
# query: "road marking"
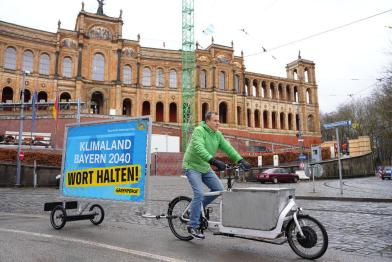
[[22, 215], [101, 245]]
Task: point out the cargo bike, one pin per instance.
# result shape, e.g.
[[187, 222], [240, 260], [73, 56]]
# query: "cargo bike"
[[261, 214]]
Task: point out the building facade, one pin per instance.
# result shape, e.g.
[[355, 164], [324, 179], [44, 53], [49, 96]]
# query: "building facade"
[[116, 76]]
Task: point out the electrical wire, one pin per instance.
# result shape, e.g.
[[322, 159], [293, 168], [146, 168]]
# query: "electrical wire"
[[320, 33]]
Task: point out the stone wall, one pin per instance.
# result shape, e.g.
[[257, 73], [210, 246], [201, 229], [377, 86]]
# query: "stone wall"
[[351, 167], [46, 175]]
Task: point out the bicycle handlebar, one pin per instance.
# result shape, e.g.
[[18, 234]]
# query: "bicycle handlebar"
[[234, 167]]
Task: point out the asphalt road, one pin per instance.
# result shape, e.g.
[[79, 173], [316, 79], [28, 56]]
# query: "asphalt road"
[[358, 231], [30, 238]]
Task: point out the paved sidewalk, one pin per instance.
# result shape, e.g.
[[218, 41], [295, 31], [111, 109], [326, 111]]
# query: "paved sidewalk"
[[368, 189]]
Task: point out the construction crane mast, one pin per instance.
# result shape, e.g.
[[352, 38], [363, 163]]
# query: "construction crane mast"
[[188, 70]]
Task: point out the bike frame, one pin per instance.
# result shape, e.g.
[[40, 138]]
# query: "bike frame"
[[272, 234]]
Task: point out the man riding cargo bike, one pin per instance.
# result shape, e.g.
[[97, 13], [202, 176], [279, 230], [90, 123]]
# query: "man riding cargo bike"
[[205, 142]]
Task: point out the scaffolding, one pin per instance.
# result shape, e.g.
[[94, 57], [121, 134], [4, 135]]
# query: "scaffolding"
[[188, 70]]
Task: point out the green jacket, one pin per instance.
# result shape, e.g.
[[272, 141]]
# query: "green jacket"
[[203, 146]]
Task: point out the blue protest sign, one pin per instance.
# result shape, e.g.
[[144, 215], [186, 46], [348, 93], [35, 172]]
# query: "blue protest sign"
[[106, 160]]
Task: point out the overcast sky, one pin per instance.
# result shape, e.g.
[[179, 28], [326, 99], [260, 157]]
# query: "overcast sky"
[[348, 60]]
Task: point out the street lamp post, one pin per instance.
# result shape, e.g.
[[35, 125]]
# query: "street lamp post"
[[21, 119]]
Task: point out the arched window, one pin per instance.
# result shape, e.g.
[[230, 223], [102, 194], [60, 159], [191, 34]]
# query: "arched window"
[[223, 112], [127, 107], [255, 88], [297, 123], [159, 112], [42, 96], [127, 74], [288, 93], [10, 58], [263, 89], [296, 98], [173, 79], [248, 117], [27, 95], [145, 108], [310, 123], [308, 96], [67, 67], [203, 79], [280, 92], [239, 115], [146, 76], [99, 67], [306, 75], [204, 110], [222, 80], [173, 112], [7, 95], [272, 91], [246, 87], [28, 58], [237, 83], [65, 97], [97, 103], [273, 120], [44, 63], [265, 119], [295, 74], [290, 121], [159, 79], [282, 121], [257, 118]]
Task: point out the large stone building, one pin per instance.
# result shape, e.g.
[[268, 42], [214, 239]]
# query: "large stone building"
[[118, 76]]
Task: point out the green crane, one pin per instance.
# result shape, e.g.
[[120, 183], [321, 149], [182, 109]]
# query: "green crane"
[[188, 70]]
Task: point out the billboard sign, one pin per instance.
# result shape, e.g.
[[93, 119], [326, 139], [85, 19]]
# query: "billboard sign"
[[106, 160]]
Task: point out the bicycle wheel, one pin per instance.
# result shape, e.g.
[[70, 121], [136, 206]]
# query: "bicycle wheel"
[[97, 210], [57, 217], [177, 219], [315, 241]]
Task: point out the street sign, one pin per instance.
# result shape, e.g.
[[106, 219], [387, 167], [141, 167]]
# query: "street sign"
[[302, 157], [21, 155], [302, 165], [337, 124], [318, 170]]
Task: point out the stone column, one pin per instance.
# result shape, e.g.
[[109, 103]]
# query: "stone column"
[[118, 101], [119, 52], [79, 75], [138, 74], [213, 77], [56, 65], [252, 118]]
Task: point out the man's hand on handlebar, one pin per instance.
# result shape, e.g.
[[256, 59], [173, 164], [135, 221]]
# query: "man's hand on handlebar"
[[219, 164], [244, 165]]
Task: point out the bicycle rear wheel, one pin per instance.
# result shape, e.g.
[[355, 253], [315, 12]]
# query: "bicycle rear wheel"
[[315, 241], [178, 218]]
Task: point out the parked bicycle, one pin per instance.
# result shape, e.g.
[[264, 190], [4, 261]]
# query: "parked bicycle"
[[260, 214]]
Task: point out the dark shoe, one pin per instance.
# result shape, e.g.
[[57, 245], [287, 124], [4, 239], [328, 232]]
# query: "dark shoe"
[[196, 233]]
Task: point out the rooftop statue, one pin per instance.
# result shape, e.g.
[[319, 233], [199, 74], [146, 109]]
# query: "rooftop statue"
[[100, 7]]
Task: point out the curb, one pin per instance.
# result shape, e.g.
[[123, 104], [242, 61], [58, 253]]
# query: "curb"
[[352, 199]]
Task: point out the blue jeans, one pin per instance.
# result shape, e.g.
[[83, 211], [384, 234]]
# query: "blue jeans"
[[196, 179]]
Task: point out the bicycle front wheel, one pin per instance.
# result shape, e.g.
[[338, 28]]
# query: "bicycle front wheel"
[[314, 243], [178, 217]]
